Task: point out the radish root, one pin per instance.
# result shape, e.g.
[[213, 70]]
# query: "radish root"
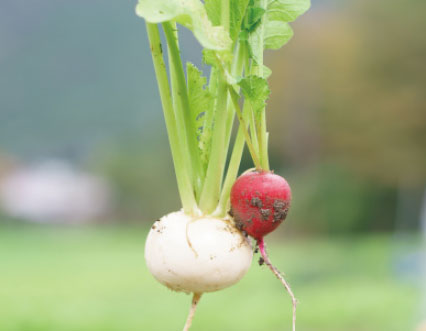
[[278, 274], [195, 299]]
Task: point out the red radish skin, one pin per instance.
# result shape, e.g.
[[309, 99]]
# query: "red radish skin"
[[259, 202]]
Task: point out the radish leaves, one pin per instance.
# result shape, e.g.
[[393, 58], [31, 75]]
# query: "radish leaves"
[[256, 91], [275, 30], [198, 110], [237, 12], [189, 13], [287, 10], [201, 104], [277, 34]]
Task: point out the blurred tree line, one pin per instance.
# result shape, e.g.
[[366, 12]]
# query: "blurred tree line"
[[347, 121], [140, 171], [347, 113]]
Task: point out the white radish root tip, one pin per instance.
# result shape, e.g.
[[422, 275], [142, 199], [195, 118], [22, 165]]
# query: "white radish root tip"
[[195, 299], [278, 274]]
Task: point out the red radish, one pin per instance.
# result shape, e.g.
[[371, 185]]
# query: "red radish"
[[260, 201]]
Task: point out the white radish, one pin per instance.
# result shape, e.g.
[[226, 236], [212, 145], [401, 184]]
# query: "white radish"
[[197, 254]]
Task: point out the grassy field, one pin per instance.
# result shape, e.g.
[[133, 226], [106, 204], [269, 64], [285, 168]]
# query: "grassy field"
[[74, 279]]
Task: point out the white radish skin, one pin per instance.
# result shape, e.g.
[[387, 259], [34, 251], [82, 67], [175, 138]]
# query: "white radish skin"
[[196, 254]]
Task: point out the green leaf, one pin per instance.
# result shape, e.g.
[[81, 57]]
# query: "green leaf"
[[266, 72], [275, 31], [191, 14], [286, 10], [200, 103], [276, 34], [214, 9], [256, 91], [238, 10], [254, 16], [279, 12], [217, 58], [252, 32], [220, 60], [199, 96]]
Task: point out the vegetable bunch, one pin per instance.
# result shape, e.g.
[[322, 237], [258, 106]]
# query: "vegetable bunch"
[[200, 110], [200, 248]]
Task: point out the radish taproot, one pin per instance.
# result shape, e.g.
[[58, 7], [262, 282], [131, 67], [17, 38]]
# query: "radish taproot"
[[196, 255], [200, 248], [260, 201]]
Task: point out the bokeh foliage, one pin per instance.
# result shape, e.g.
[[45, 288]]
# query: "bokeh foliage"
[[347, 113]]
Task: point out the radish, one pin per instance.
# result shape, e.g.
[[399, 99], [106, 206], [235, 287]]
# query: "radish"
[[201, 248], [196, 255], [260, 201]]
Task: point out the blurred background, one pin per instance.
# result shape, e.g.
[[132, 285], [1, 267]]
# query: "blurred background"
[[85, 169]]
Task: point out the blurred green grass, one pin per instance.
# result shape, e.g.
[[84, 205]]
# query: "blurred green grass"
[[69, 279]]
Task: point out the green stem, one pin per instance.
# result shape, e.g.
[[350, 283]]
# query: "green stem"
[[236, 71], [253, 132], [183, 114], [234, 98], [248, 69], [211, 189], [225, 15], [212, 183], [234, 166], [209, 115], [213, 80], [237, 150], [183, 179], [173, 80], [263, 141]]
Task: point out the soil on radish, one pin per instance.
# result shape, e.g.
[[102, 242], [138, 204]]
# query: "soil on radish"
[[279, 210], [261, 261], [256, 202], [153, 226]]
